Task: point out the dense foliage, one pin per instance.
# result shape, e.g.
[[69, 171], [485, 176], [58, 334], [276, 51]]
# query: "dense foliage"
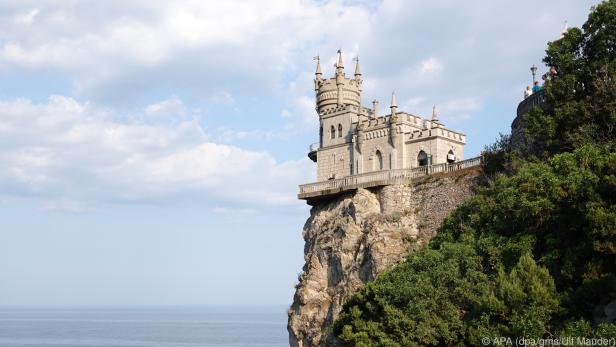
[[533, 254], [581, 97]]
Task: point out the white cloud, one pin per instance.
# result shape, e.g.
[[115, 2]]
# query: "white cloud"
[[458, 110], [73, 153], [222, 97], [28, 17], [239, 54], [166, 108], [431, 66], [64, 205]]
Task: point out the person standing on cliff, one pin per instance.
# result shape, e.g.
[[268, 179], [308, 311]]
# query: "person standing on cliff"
[[528, 92]]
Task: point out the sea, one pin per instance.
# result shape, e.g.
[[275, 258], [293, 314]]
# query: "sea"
[[156, 326]]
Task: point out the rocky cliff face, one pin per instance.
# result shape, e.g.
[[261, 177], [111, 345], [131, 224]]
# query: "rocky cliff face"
[[352, 238]]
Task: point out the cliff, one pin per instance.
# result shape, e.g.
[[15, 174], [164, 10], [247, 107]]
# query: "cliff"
[[352, 238]]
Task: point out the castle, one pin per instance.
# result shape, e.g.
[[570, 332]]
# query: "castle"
[[355, 140]]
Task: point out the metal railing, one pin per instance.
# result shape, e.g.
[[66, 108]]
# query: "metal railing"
[[378, 178]]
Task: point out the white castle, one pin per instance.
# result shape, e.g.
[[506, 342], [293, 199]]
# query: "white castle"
[[354, 140]]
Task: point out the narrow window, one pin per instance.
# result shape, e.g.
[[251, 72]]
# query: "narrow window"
[[333, 132], [339, 130]]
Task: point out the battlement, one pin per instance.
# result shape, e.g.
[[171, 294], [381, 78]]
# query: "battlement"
[[449, 134], [332, 93]]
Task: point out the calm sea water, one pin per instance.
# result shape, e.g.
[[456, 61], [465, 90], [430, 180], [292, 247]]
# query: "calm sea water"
[[185, 326]]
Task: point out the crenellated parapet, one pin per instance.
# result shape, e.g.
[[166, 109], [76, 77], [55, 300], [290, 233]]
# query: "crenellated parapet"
[[338, 90]]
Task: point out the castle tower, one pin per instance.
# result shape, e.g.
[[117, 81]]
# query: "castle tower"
[[338, 90], [338, 104]]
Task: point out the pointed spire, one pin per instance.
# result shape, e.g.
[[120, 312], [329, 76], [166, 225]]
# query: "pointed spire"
[[393, 100], [565, 29], [340, 62], [318, 72], [375, 108], [434, 116], [394, 105], [357, 69]]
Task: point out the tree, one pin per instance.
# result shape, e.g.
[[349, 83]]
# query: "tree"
[[581, 98], [480, 275]]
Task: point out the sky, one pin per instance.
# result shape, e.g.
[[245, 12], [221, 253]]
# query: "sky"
[[150, 150]]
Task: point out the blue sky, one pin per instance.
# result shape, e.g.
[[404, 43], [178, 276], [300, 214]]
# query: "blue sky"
[[150, 151]]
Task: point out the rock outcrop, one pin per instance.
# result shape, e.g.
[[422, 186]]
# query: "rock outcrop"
[[351, 238]]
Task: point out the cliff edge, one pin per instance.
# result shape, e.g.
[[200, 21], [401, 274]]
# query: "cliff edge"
[[351, 238]]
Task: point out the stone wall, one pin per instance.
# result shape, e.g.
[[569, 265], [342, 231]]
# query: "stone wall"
[[518, 126], [352, 238]]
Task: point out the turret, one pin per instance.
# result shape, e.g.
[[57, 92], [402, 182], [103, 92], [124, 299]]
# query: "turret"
[[435, 123], [340, 78], [360, 136], [375, 108], [340, 64], [357, 70], [338, 91], [393, 119], [394, 105], [318, 75]]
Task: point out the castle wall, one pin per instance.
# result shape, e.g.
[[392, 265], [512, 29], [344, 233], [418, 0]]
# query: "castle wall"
[[334, 162], [377, 140], [443, 146], [347, 129]]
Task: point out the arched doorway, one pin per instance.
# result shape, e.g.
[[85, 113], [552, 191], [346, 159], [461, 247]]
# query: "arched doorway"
[[378, 163], [422, 159], [451, 157]]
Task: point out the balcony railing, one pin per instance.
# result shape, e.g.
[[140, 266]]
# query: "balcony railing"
[[380, 178]]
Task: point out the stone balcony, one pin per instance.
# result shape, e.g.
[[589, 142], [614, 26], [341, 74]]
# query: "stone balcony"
[[317, 190], [312, 151]]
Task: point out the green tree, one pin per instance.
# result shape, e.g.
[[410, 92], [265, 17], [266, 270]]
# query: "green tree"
[[581, 98], [479, 276]]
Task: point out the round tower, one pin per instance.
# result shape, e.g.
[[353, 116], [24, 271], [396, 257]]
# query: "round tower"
[[338, 90]]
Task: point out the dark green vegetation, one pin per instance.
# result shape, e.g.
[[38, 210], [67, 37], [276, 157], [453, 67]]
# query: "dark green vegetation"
[[533, 254], [582, 98]]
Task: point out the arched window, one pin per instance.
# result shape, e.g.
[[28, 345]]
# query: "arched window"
[[321, 136], [422, 158], [451, 157], [378, 163], [333, 132], [339, 130]]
